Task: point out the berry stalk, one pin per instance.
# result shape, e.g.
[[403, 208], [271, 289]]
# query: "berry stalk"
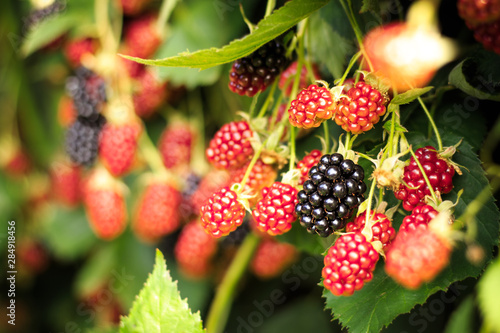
[[357, 31], [433, 124], [220, 307], [393, 129], [268, 100], [354, 59], [107, 39], [271, 4], [427, 182], [151, 155], [327, 140], [367, 230], [250, 167], [474, 207], [167, 6]]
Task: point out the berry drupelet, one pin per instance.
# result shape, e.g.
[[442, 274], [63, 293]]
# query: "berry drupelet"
[[334, 189], [254, 73]]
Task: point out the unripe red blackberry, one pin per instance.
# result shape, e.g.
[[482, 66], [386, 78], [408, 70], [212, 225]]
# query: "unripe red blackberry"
[[305, 164], [222, 213], [213, 181], [417, 257], [75, 49], [65, 183], [414, 189], [149, 94], [288, 76], [262, 175], [82, 140], [349, 263], [230, 147], [334, 189], [175, 145], [157, 213], [361, 109], [382, 228], [488, 34], [419, 218], [254, 73], [312, 106], [194, 250], [479, 11], [272, 258], [275, 212]]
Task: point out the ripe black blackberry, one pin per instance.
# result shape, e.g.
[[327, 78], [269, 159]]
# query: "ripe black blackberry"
[[82, 140], [38, 15], [236, 237], [328, 199], [256, 72], [88, 91], [186, 209]]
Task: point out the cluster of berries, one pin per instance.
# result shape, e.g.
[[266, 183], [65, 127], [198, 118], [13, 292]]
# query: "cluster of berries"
[[356, 110], [483, 18], [416, 254]]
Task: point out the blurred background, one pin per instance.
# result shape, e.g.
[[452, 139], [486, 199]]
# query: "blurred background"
[[71, 280]]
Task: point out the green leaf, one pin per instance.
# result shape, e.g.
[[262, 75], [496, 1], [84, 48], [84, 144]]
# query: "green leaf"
[[268, 29], [478, 82], [327, 46], [207, 32], [96, 270], [397, 127], [410, 95], [159, 308], [382, 299], [462, 320], [67, 233], [302, 315], [489, 297]]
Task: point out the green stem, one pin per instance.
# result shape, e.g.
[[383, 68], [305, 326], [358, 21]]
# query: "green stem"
[[250, 166], [391, 135], [327, 136], [433, 124], [151, 155], [347, 140], [255, 99], [220, 307], [367, 230], [433, 194], [268, 100], [357, 31], [476, 205], [274, 114], [292, 147], [270, 7], [166, 9], [106, 37], [349, 67]]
